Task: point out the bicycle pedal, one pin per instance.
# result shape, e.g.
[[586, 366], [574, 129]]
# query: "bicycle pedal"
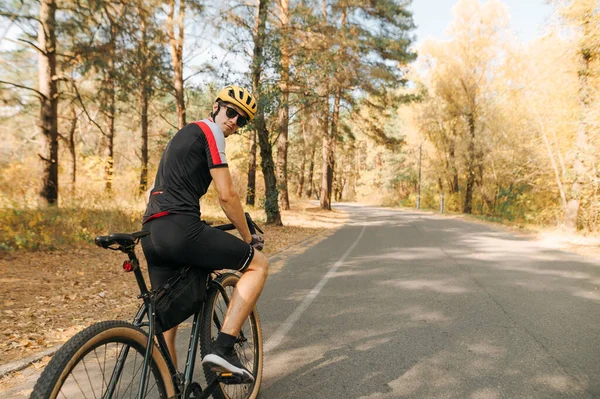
[[230, 378]]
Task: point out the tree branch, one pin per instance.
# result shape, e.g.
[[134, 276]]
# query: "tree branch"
[[44, 159], [32, 45], [16, 16], [40, 94], [85, 110], [198, 72], [169, 123]]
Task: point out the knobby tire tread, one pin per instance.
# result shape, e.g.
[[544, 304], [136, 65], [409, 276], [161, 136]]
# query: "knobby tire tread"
[[79, 345]]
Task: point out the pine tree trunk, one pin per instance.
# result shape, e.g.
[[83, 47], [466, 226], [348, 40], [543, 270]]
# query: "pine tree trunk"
[[177, 58], [111, 107], [110, 159], [144, 102], [284, 110], [109, 166], [266, 152], [305, 150], [144, 127], [329, 153], [311, 170], [251, 191], [49, 103], [301, 175], [327, 169]]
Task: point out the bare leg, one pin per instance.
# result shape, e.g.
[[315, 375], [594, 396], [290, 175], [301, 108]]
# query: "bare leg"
[[246, 293], [170, 339]]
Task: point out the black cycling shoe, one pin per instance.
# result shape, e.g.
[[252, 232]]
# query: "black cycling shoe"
[[226, 361]]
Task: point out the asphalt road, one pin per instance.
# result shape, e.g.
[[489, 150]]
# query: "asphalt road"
[[401, 304]]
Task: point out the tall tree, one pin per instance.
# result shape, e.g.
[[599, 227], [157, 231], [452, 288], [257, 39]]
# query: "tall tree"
[[176, 32], [583, 15], [98, 30], [48, 87], [266, 153], [460, 72], [284, 107], [148, 65], [47, 91], [357, 57]]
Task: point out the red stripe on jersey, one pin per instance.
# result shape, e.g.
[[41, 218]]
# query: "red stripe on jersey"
[[212, 144], [157, 215]]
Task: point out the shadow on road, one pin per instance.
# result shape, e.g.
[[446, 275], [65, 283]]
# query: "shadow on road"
[[433, 307]]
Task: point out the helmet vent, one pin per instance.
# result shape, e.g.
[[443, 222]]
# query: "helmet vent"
[[231, 93], [248, 100]]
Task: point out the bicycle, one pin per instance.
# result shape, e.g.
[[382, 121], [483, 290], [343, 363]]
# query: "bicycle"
[[113, 359]]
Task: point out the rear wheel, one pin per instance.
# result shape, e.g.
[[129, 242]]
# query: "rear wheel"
[[86, 366], [249, 344]]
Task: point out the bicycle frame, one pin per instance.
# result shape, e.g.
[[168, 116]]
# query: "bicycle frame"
[[147, 310]]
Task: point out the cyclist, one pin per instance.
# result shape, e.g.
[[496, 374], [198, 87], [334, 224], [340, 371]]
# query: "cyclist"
[[193, 158]]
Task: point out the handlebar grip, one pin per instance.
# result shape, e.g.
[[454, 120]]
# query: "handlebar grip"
[[225, 227]]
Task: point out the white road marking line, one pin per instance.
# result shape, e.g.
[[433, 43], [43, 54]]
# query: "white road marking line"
[[287, 325]]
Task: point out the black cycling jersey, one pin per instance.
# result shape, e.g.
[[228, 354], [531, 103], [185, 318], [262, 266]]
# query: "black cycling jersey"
[[183, 175], [178, 237]]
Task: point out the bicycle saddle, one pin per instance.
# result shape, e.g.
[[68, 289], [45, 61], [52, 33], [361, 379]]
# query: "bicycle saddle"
[[125, 240]]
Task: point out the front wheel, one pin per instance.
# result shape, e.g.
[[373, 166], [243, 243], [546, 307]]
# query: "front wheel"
[[104, 361], [248, 346]]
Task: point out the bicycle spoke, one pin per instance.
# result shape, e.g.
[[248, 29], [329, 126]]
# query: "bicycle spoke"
[[101, 370], [87, 373], [81, 390], [130, 385]]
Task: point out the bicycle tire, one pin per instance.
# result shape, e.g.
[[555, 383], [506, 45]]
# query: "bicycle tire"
[[250, 350], [104, 341]]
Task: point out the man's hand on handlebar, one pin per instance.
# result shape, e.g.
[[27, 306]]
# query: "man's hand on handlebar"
[[257, 242]]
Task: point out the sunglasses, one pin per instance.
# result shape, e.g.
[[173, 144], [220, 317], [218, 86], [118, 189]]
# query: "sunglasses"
[[232, 113]]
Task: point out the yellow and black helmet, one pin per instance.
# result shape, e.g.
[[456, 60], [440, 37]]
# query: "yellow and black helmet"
[[239, 96]]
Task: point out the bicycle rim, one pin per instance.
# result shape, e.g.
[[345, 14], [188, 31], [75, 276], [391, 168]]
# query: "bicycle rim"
[[105, 360]]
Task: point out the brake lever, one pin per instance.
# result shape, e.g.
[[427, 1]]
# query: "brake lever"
[[249, 220], [257, 228]]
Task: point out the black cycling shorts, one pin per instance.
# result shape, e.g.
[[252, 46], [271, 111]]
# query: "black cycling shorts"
[[180, 240]]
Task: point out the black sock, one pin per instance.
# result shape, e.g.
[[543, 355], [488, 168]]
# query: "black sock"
[[225, 341]]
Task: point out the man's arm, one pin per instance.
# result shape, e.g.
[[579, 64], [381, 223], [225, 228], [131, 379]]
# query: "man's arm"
[[230, 201]]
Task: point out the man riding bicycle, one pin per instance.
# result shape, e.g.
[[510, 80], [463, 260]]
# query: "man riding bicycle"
[[194, 157]]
